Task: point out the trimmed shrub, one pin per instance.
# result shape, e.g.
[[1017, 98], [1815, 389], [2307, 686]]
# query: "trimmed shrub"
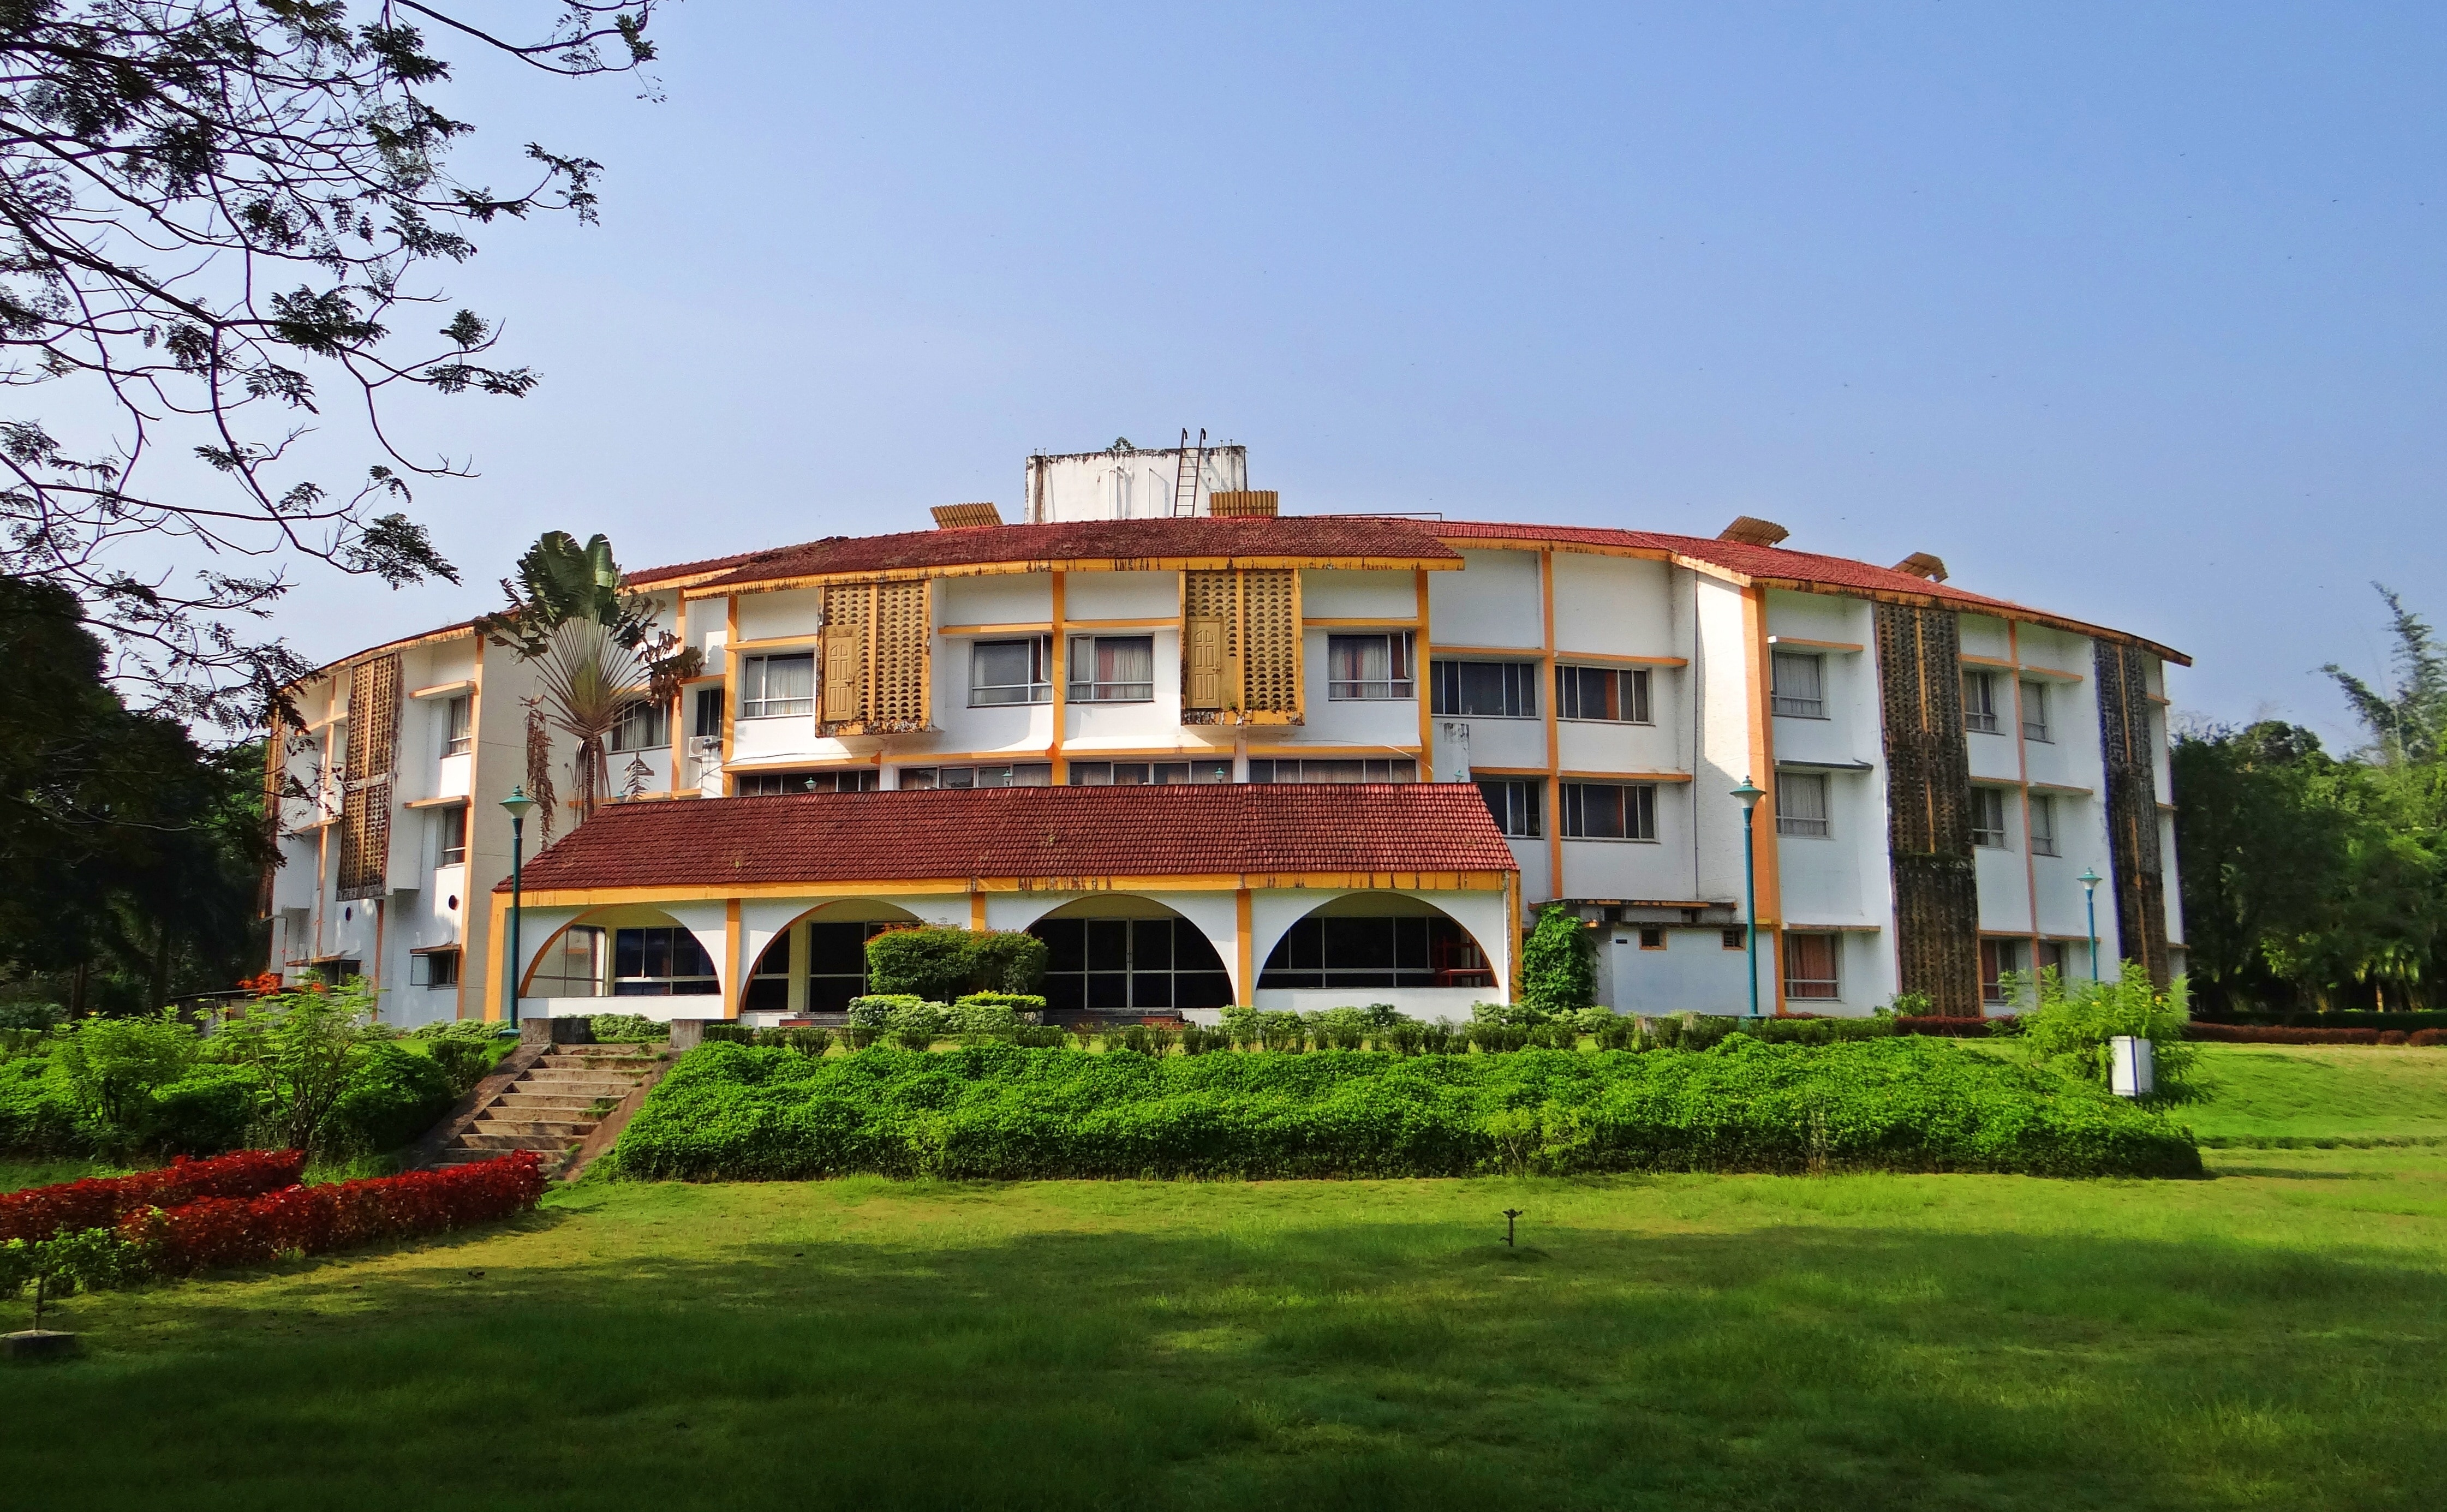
[[212, 1233], [1559, 963], [2282, 1034], [1006, 962], [464, 1062], [998, 1112], [929, 962], [41, 1212], [208, 1111], [1950, 1026], [622, 1029], [479, 1032], [392, 1095], [875, 1010], [731, 1033]]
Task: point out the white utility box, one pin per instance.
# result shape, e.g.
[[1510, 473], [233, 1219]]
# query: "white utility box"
[[2130, 1073]]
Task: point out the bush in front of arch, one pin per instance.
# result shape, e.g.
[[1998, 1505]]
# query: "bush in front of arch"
[[943, 964]]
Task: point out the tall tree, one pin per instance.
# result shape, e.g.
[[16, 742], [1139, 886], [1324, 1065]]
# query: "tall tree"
[[215, 216], [2408, 720]]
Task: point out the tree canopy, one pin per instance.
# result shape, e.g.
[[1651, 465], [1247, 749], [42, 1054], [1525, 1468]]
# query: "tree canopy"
[[216, 223]]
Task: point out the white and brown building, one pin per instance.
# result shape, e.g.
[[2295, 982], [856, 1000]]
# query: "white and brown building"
[[1216, 754]]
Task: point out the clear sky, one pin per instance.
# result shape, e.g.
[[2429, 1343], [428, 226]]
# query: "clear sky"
[[2131, 313]]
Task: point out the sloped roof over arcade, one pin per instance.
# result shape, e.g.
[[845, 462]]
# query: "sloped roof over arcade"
[[1047, 836]]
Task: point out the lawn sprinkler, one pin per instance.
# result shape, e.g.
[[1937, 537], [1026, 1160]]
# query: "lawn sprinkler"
[[1510, 1213]]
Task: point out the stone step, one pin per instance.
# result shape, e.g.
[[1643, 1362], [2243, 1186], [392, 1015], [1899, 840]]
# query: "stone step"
[[491, 1145], [574, 1129], [573, 1085], [623, 1062], [542, 1102]]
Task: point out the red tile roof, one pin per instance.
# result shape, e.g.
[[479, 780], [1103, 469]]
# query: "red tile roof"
[[1046, 834], [1778, 567], [1301, 539]]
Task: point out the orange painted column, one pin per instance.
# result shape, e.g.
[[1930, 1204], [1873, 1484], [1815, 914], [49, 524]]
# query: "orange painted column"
[[1760, 667]]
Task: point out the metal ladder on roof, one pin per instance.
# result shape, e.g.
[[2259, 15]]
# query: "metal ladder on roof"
[[1185, 477]]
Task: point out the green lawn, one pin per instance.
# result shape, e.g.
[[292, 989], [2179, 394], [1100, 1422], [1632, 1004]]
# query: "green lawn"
[[2267, 1339], [2267, 1094]]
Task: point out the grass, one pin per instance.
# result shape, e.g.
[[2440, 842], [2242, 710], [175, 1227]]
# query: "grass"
[[2266, 1338], [2319, 1094]]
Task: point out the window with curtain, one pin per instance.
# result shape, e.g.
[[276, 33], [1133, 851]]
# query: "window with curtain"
[[1615, 693], [661, 962], [1811, 966], [450, 835], [1485, 690], [1989, 817], [1112, 668], [1998, 959], [1331, 769], [1799, 685], [1801, 804], [1980, 703], [643, 724], [1381, 953], [1373, 665], [837, 780], [1010, 672], [772, 687], [1149, 774], [1004, 774], [2035, 711], [2043, 824], [1609, 810], [709, 713], [1512, 801], [458, 726]]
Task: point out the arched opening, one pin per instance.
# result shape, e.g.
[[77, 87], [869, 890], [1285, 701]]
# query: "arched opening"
[[818, 962], [1377, 941], [1116, 954], [634, 951]]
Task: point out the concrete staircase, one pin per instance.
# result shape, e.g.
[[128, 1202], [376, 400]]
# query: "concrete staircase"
[[553, 1104]]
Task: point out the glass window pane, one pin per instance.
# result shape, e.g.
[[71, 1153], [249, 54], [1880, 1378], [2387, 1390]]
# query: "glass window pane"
[[1151, 945], [1109, 944]]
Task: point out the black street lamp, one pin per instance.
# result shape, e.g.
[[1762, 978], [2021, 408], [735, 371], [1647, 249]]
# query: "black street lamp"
[[517, 803], [1749, 794]]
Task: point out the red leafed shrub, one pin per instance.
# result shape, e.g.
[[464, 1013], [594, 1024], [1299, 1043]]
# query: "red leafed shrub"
[[1952, 1028], [315, 1220], [2279, 1034], [2427, 1036], [39, 1213]]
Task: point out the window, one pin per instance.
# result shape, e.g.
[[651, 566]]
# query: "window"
[[458, 726], [1312, 769], [1007, 774], [1809, 965], [768, 985], [1799, 685], [709, 715], [1368, 667], [571, 966], [1652, 938], [1513, 803], [1980, 703], [450, 835], [772, 687], [1486, 689], [643, 724], [1801, 804], [2052, 957], [1989, 817], [1112, 668], [1149, 774], [1376, 953], [837, 964], [1998, 959], [2043, 824], [2035, 711], [434, 968], [779, 785], [1123, 964], [1603, 693], [1610, 810], [1010, 672], [661, 962], [1735, 938]]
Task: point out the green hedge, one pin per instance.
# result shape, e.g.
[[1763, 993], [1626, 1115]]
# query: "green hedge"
[[1002, 1113]]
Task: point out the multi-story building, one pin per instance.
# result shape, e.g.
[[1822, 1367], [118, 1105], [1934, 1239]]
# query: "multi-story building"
[[1214, 753]]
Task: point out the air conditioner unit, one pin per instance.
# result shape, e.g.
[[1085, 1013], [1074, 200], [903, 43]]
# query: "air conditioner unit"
[[705, 747]]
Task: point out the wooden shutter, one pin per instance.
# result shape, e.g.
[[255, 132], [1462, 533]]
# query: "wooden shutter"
[[2135, 864], [1241, 647], [1270, 632], [366, 778], [1928, 807], [844, 675], [1203, 688]]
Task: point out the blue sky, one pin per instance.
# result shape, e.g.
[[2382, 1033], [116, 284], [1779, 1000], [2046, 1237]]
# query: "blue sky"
[[2133, 316]]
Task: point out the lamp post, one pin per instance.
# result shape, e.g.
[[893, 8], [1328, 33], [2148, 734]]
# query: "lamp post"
[[516, 804], [1749, 794], [2090, 880]]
